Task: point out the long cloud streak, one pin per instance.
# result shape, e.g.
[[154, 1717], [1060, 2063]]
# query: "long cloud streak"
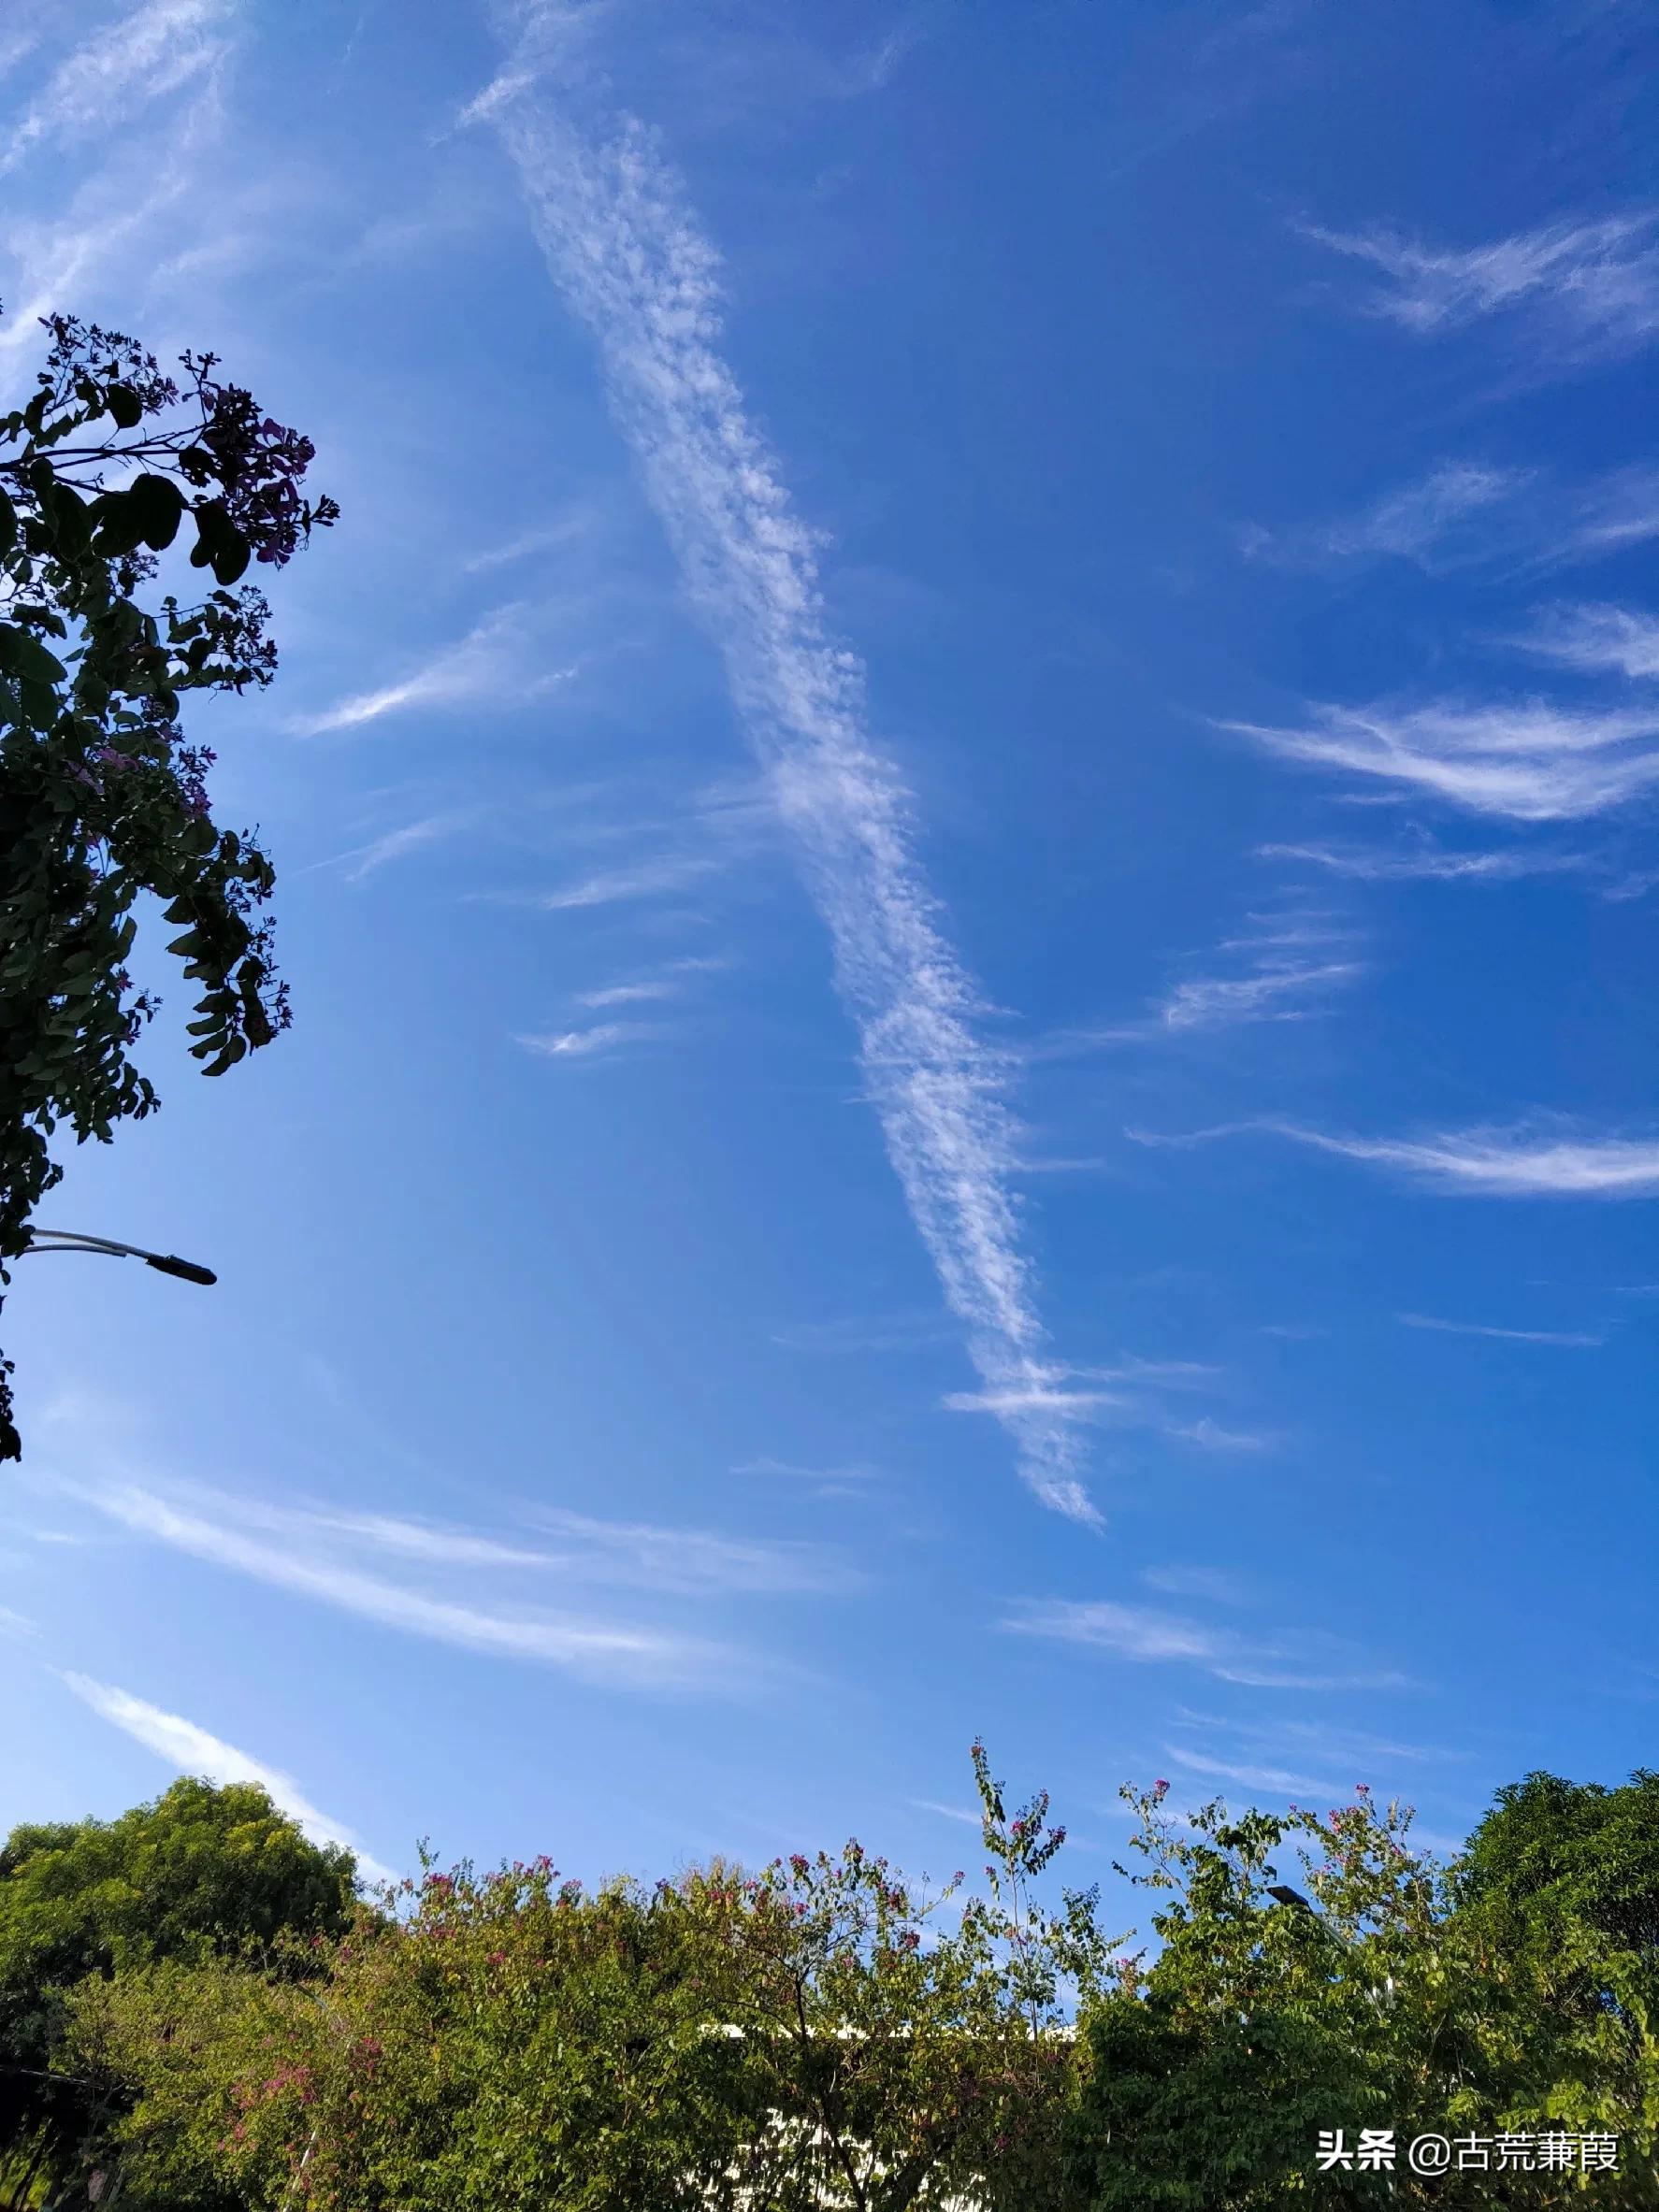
[[1509, 1163], [631, 264], [194, 1752]]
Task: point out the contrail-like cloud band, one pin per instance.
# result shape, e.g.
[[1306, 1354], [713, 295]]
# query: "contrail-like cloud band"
[[612, 221]]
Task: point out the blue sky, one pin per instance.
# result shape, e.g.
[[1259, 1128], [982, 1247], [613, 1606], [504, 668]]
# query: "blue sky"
[[965, 830]]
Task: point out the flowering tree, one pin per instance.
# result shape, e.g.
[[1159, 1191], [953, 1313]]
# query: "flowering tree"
[[824, 2036], [815, 2035], [101, 797], [899, 2048]]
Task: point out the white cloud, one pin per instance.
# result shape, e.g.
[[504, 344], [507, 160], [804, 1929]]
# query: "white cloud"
[[592, 1042], [1215, 1583], [492, 660], [1473, 515], [1614, 513], [598, 1649], [1211, 1437], [1270, 994], [692, 1561], [1032, 1397], [1413, 523], [638, 1555], [107, 220], [432, 1541], [628, 993], [1330, 1743], [620, 245], [957, 1813], [1251, 1776], [194, 1752], [528, 543], [647, 879], [396, 844], [1132, 1631], [1513, 1336], [1144, 1634], [1426, 863], [1528, 762], [1253, 1677], [150, 51], [1521, 1162], [828, 1481], [1596, 641], [874, 1332], [1596, 283], [1511, 1163]]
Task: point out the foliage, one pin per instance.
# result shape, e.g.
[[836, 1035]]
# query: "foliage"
[[824, 2034], [1564, 1851], [101, 797], [1375, 1996], [200, 1870], [817, 2035]]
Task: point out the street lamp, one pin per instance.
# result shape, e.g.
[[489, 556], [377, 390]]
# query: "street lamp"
[[164, 1263]]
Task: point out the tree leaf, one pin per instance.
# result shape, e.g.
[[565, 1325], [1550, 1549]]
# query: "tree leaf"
[[231, 557], [21, 655], [126, 406], [161, 503]]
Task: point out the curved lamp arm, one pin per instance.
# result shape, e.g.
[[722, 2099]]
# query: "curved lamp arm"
[[164, 1263]]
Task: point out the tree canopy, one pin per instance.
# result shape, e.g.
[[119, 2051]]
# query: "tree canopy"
[[240, 2035], [202, 1871], [102, 797]]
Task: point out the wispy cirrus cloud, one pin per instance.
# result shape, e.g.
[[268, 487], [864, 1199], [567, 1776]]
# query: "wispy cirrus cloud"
[[646, 878], [845, 1480], [1285, 967], [545, 538], [1527, 1162], [110, 217], [1210, 1436], [1468, 515], [420, 1580], [637, 994], [1595, 640], [1144, 1635], [1525, 762], [1434, 521], [594, 1043], [1219, 1585], [865, 1332], [1573, 1337], [1612, 514], [193, 1751], [1425, 862], [1591, 287], [1129, 1393], [148, 53], [621, 246], [1298, 1758], [691, 1562], [1033, 1398], [496, 658], [634, 1554], [1277, 990], [958, 1813], [1250, 1774], [419, 836]]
